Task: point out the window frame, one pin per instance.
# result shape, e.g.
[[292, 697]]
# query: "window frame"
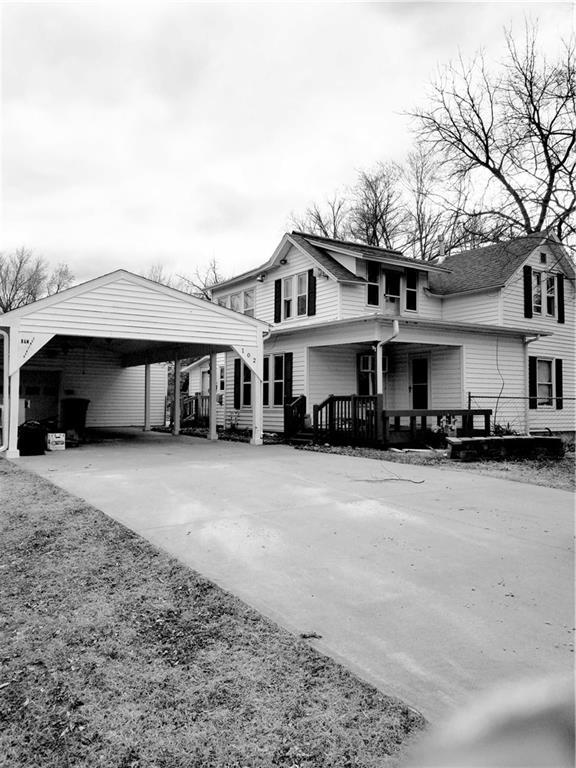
[[371, 283], [301, 294], [409, 291], [547, 402], [287, 297], [272, 383], [245, 386]]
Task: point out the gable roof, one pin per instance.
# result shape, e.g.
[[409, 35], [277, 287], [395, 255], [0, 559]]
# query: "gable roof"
[[321, 249], [491, 266]]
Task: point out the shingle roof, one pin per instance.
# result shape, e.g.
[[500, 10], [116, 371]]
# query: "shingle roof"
[[486, 267], [325, 261]]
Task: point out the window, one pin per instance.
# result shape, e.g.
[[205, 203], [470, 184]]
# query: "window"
[[236, 302], [302, 293], [222, 301], [392, 286], [544, 383], [249, 302], [373, 279], [287, 297], [551, 295], [221, 378], [276, 380], [411, 290], [537, 292], [543, 258]]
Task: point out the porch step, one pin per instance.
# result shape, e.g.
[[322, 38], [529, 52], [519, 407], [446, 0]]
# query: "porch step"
[[304, 437]]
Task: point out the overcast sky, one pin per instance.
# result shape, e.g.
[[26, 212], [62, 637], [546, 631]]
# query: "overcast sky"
[[171, 133]]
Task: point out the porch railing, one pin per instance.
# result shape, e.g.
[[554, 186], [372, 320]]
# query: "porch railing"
[[195, 409], [358, 419], [294, 415]]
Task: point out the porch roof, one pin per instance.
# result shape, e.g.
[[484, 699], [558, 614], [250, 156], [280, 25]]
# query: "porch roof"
[[385, 322]]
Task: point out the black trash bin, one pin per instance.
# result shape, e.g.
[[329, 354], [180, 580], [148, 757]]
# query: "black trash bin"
[[74, 416], [31, 438]]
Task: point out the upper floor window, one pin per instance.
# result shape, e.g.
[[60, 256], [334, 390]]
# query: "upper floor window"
[[249, 302], [222, 301], [295, 296], [543, 294], [236, 302], [392, 288], [411, 290], [373, 273]]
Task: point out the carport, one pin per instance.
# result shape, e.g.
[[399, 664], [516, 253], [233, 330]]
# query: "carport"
[[135, 322]]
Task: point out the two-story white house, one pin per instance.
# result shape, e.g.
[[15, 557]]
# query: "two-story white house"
[[491, 328]]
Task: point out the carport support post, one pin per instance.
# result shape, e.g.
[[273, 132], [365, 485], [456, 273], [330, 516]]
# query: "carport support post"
[[176, 426], [212, 431], [13, 452], [147, 397]]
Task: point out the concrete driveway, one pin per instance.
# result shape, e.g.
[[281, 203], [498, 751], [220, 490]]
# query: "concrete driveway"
[[432, 587]]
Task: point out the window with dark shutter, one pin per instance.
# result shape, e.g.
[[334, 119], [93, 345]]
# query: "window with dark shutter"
[[559, 384], [528, 292]]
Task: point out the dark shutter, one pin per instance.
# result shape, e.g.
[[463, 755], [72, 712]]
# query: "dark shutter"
[[532, 383], [277, 301], [237, 383], [559, 385], [528, 292], [288, 365], [560, 291], [311, 293]]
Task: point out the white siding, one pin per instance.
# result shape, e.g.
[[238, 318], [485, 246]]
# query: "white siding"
[[561, 344], [473, 308], [116, 393], [126, 309], [445, 375], [331, 371], [326, 292]]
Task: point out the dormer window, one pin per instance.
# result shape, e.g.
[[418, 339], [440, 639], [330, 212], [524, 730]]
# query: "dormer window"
[[411, 290], [373, 279], [392, 290]]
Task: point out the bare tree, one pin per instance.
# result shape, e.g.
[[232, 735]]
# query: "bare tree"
[[198, 284], [378, 215], [24, 278], [329, 220], [511, 136]]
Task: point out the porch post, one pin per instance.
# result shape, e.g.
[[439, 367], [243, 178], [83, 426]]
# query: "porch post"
[[14, 395], [257, 402], [147, 397], [212, 431], [176, 426]]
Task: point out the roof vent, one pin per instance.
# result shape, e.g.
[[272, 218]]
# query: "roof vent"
[[441, 251]]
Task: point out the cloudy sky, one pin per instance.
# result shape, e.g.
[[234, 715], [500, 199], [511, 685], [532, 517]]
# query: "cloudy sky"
[[172, 133]]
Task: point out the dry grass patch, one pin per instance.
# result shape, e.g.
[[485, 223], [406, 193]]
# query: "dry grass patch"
[[552, 473], [113, 654]]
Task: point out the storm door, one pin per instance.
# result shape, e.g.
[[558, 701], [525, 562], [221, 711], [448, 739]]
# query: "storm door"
[[419, 382]]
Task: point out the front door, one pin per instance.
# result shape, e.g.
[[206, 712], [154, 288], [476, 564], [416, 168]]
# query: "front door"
[[419, 382]]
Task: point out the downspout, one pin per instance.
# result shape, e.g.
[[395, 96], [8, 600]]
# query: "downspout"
[[526, 391], [5, 400], [379, 366]]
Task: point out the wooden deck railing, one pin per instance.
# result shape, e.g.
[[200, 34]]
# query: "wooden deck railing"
[[362, 420], [195, 409], [294, 415]]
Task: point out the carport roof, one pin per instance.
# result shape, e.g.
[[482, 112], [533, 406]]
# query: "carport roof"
[[150, 317]]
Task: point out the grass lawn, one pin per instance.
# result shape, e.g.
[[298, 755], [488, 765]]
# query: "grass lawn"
[[553, 473], [113, 654]]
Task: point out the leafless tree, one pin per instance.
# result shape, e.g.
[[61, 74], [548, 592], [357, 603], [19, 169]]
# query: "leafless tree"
[[329, 220], [511, 136], [25, 277], [198, 284], [378, 215]]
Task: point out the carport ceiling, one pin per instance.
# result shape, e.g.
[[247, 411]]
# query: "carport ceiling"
[[132, 351]]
